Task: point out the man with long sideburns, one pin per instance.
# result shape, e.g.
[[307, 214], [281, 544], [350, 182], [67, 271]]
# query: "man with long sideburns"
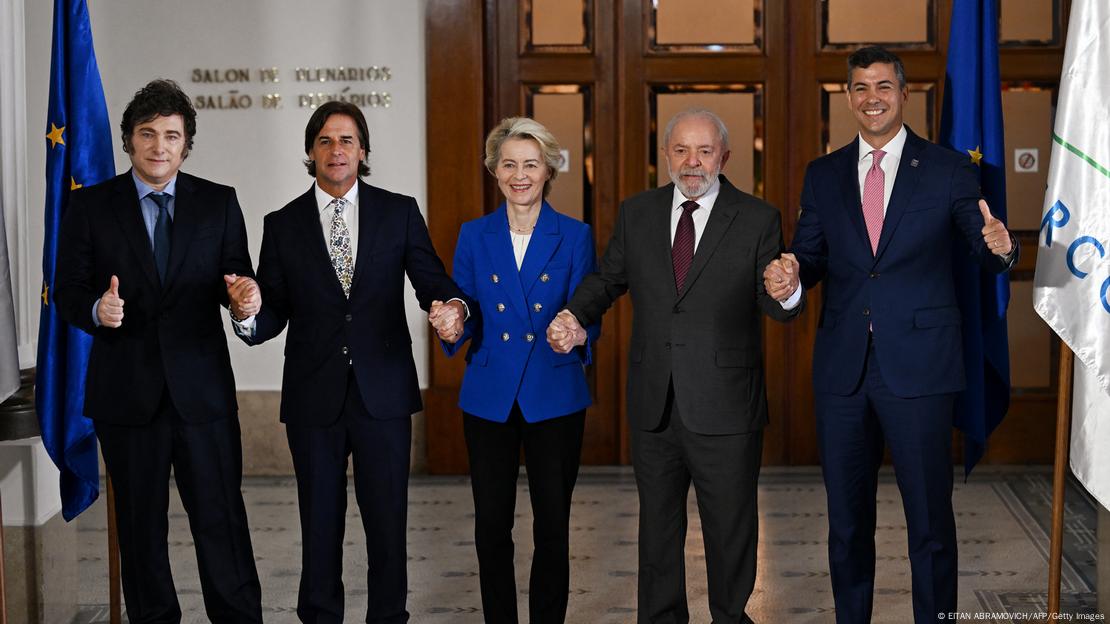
[[881, 220], [142, 264], [692, 254], [332, 267]]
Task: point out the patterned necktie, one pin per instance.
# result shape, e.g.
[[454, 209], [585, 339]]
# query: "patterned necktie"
[[339, 245], [682, 250], [874, 190], [162, 226]]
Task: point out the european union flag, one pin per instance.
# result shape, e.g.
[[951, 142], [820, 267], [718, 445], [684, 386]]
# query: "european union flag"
[[971, 123], [78, 153]]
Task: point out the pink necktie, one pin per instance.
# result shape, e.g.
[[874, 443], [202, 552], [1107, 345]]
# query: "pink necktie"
[[874, 188]]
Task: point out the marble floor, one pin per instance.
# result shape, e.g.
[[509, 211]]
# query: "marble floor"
[[1002, 516]]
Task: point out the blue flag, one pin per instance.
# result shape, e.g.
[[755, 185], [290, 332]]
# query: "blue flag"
[[78, 153], [971, 123]]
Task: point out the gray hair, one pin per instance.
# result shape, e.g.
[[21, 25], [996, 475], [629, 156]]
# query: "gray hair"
[[704, 113], [524, 128]]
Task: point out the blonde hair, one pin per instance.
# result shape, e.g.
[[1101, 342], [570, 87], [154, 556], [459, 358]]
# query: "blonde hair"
[[524, 128]]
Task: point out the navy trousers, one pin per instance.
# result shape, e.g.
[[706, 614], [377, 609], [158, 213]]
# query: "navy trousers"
[[852, 433], [380, 450]]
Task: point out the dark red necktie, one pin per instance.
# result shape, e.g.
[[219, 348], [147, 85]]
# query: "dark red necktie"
[[682, 250]]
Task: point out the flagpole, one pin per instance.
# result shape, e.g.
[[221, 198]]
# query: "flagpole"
[[1059, 474], [114, 610]]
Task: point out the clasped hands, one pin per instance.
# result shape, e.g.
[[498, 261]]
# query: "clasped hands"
[[565, 332], [780, 278], [243, 295], [447, 319]]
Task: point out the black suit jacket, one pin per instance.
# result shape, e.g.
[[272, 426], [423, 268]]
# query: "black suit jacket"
[[172, 334], [329, 332], [707, 339]]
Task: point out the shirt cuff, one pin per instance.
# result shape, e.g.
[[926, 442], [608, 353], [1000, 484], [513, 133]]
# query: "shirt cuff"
[[466, 308], [244, 327], [96, 319], [794, 299]]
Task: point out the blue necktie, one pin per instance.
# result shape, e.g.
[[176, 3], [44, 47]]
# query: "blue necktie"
[[162, 227]]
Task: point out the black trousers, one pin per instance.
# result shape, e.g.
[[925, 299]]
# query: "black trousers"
[[208, 468], [724, 470], [380, 449], [552, 451]]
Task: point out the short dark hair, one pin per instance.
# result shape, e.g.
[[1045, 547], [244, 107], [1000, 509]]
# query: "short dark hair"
[[868, 56], [159, 98], [316, 124]]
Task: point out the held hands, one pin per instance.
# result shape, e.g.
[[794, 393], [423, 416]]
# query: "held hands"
[[447, 319], [565, 333], [110, 309], [244, 295], [780, 278], [995, 235]]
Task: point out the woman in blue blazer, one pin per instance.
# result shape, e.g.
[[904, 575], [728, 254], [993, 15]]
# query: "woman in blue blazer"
[[521, 263]]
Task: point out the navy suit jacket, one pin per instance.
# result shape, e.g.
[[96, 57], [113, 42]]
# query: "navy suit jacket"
[[328, 333], [172, 335], [509, 359], [904, 292]]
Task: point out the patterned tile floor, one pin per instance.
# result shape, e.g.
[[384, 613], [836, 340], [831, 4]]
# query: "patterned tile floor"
[[1002, 516]]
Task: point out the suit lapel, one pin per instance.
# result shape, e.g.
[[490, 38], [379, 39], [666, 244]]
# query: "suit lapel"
[[657, 231], [724, 212], [186, 214], [130, 217], [369, 230], [905, 183], [500, 249], [316, 248], [850, 191], [545, 240]]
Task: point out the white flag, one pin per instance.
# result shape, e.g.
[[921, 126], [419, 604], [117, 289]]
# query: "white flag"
[[1072, 284]]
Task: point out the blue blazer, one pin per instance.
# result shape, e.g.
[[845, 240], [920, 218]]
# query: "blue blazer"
[[509, 360], [904, 292]]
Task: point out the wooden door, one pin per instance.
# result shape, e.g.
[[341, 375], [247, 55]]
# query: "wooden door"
[[605, 75]]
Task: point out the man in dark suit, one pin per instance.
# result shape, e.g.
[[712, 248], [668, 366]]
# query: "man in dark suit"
[[332, 267], [881, 220], [160, 388], [692, 254]]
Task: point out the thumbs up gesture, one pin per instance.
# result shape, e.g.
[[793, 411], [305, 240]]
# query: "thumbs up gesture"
[[995, 235], [110, 309]]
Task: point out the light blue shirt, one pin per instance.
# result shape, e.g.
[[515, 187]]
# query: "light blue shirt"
[[149, 206]]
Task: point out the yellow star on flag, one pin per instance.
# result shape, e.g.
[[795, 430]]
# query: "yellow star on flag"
[[55, 135], [45, 292], [73, 185], [976, 155]]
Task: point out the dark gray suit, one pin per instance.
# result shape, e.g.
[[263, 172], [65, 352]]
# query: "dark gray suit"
[[696, 398]]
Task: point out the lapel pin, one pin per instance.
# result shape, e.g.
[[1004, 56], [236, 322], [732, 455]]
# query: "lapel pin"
[[913, 163]]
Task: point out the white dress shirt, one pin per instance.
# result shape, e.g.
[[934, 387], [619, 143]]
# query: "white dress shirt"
[[700, 216], [520, 245]]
